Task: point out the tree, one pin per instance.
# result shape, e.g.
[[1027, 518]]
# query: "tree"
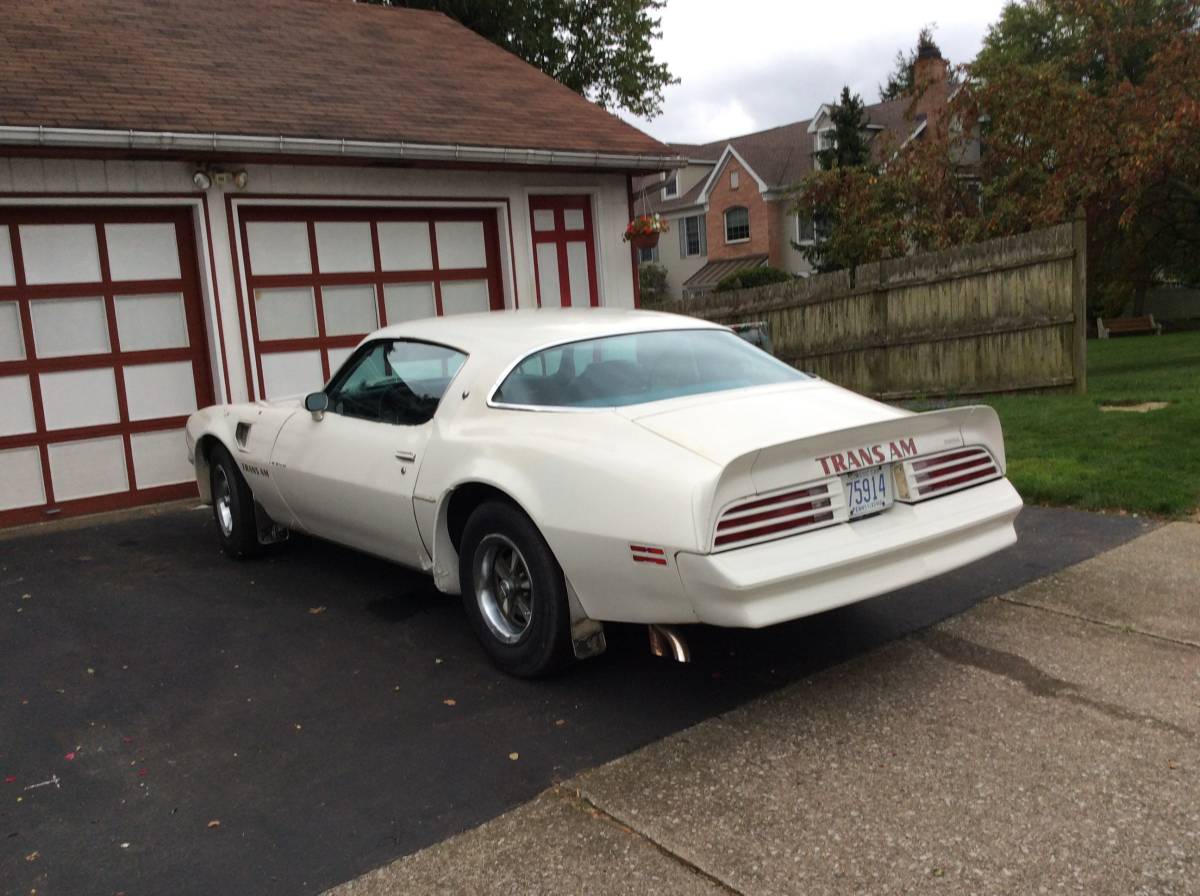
[[848, 148], [599, 48], [845, 160], [1074, 103], [900, 81]]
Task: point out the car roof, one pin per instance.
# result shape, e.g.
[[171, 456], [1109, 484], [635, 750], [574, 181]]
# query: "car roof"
[[505, 336]]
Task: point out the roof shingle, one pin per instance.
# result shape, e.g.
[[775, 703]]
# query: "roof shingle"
[[329, 69]]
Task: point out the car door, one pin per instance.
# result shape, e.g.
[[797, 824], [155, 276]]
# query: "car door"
[[348, 474]]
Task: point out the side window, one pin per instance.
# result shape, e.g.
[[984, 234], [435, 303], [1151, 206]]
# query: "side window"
[[394, 381]]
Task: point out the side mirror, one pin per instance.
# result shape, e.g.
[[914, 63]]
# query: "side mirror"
[[316, 403]]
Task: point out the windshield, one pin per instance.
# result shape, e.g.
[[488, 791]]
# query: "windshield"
[[615, 371]]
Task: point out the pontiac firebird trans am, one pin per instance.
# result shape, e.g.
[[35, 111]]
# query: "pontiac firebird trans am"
[[564, 468]]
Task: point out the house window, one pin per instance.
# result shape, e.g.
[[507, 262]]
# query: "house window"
[[825, 141], [805, 231], [737, 224], [647, 253], [671, 187], [692, 240], [811, 229], [733, 180]]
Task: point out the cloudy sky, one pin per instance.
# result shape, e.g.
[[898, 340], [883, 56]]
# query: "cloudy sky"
[[746, 65]]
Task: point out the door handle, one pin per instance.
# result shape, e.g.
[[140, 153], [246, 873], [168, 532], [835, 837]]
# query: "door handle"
[[406, 456]]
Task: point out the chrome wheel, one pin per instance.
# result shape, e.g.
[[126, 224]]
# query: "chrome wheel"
[[223, 501], [503, 588]]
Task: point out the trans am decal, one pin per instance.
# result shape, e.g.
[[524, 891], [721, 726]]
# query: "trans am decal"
[[867, 456]]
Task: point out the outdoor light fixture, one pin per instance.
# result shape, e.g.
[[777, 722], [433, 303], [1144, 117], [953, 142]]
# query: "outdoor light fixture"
[[206, 177]]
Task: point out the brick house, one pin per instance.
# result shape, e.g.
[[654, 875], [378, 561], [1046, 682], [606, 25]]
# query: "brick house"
[[728, 205], [214, 201]]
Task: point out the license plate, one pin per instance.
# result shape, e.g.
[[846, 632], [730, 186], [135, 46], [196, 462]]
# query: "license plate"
[[868, 491]]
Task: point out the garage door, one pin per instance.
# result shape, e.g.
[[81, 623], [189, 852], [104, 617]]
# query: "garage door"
[[102, 357], [321, 279]]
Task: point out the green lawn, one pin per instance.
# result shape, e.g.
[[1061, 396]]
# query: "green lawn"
[[1063, 450]]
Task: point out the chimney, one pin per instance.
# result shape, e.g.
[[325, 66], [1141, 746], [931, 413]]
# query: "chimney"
[[931, 83]]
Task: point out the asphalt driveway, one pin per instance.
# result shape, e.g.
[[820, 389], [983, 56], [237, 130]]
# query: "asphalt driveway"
[[171, 721]]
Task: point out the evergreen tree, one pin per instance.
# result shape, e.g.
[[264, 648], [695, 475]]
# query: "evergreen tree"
[[849, 148], [900, 81]]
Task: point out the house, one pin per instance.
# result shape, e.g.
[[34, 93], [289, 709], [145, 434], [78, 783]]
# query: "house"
[[728, 206], [207, 202]]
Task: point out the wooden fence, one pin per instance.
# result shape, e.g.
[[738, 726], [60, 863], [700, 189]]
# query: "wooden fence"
[[1004, 315]]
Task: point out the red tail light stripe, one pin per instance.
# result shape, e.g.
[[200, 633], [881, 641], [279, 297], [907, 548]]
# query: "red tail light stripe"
[[657, 561], [730, 522], [643, 549], [945, 458], [935, 474], [776, 499], [958, 480], [774, 529]]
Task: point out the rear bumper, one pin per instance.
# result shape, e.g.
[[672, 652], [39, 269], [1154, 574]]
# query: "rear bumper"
[[793, 577]]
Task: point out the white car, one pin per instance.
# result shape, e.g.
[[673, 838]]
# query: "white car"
[[564, 468]]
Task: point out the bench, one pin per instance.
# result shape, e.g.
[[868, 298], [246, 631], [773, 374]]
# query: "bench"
[[1127, 326]]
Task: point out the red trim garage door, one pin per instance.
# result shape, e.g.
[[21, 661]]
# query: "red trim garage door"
[[321, 279], [102, 357]]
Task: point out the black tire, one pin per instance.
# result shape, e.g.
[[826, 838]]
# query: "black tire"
[[526, 631], [233, 506]]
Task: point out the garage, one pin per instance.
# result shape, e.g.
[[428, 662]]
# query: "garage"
[[102, 356], [318, 280], [220, 213]]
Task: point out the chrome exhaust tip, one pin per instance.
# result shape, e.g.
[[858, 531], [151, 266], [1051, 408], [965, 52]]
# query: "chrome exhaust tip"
[[666, 639]]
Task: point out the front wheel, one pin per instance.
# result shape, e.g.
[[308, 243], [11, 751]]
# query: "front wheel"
[[514, 592], [233, 506]]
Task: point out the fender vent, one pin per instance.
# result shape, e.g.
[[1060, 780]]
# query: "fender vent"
[[778, 515], [242, 433], [949, 472]]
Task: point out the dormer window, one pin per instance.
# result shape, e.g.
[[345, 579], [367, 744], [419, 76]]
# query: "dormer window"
[[733, 180], [670, 186], [825, 139]]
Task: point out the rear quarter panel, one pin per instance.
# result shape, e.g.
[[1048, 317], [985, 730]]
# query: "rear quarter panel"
[[594, 483]]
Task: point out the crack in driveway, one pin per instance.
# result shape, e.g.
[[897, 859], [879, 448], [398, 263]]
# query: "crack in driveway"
[[964, 652]]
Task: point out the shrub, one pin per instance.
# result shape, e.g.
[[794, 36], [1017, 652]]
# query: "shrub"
[[751, 277], [653, 279]]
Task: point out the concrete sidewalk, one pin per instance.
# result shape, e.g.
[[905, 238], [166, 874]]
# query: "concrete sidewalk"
[[1045, 741]]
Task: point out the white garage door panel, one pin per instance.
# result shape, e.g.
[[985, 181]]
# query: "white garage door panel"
[[408, 301], [72, 398], [63, 327], [160, 458], [547, 273], [278, 247], [151, 322], [464, 296], [337, 357], [404, 246], [160, 390], [291, 373], [60, 253], [16, 406], [8, 274], [344, 247], [21, 478], [288, 313], [88, 468], [543, 219], [460, 244], [12, 343], [142, 251], [349, 310], [572, 219], [577, 273]]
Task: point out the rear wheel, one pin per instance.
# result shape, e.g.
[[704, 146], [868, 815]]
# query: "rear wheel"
[[233, 506], [514, 592]]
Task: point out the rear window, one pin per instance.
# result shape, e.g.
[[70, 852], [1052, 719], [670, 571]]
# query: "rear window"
[[615, 371]]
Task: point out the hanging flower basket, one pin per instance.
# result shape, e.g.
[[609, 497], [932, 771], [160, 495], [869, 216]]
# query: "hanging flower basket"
[[643, 230]]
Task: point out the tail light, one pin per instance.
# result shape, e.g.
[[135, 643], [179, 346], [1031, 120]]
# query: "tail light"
[[771, 517], [929, 477]]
